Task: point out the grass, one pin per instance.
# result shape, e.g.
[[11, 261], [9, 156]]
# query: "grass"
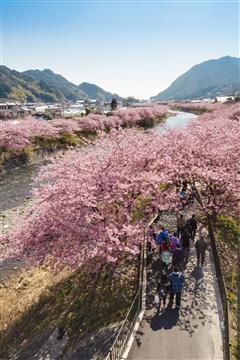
[[81, 302]]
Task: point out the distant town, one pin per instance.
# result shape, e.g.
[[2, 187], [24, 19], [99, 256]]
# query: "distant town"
[[47, 111]]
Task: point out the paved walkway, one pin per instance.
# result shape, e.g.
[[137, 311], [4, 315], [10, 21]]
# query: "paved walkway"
[[194, 332]]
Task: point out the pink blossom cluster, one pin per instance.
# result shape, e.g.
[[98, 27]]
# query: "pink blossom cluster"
[[126, 117], [132, 116], [13, 137], [19, 134], [66, 126], [93, 204]]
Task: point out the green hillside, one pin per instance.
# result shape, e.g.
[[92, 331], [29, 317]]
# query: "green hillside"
[[209, 79], [67, 89], [95, 92], [17, 86]]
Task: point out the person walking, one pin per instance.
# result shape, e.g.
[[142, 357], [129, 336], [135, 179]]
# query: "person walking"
[[163, 290], [201, 247], [180, 224], [178, 257], [174, 240], [185, 244], [166, 245], [166, 258], [192, 224], [151, 239], [163, 235], [177, 281]]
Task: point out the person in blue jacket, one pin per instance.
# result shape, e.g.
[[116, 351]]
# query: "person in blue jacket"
[[163, 235], [177, 281]]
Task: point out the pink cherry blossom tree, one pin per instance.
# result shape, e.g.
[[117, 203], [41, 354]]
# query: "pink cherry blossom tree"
[[93, 205], [18, 134]]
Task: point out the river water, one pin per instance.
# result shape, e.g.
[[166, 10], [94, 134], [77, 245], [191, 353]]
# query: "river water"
[[179, 119], [16, 185]]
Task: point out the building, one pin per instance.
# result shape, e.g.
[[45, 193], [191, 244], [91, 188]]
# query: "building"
[[223, 99], [74, 110], [9, 109]]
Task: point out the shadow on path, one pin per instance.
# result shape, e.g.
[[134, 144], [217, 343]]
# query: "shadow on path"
[[166, 320]]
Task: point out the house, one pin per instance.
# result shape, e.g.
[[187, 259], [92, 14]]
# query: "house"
[[77, 107], [223, 99], [80, 102], [207, 100], [24, 110], [9, 109], [45, 107], [74, 110]]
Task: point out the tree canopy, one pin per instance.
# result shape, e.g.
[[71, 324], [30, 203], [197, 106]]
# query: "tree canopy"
[[92, 205]]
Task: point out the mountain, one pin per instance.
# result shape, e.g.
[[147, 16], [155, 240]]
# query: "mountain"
[[17, 86], [95, 92], [45, 85], [67, 89], [209, 79]]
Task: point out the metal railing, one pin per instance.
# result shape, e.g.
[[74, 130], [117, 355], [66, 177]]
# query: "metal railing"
[[126, 328], [136, 307], [223, 292]]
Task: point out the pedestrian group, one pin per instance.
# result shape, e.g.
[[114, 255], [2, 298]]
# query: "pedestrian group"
[[174, 252]]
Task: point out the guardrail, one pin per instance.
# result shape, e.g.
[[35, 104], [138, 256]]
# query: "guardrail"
[[133, 312], [126, 328], [223, 292], [136, 307]]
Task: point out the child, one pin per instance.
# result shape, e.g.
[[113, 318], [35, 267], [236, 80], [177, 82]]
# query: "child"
[[166, 258], [163, 289]]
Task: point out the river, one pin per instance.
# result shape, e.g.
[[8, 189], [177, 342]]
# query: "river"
[[16, 185], [179, 119]]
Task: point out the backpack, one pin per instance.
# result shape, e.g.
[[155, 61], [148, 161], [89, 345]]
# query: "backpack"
[[177, 281]]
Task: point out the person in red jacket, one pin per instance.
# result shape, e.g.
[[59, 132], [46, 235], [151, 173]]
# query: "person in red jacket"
[[167, 245]]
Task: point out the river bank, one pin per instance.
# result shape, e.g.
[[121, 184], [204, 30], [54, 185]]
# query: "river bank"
[[22, 140], [16, 185]]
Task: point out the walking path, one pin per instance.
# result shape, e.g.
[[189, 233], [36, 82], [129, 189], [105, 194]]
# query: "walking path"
[[191, 333]]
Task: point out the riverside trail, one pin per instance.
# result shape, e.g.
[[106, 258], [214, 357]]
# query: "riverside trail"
[[195, 331]]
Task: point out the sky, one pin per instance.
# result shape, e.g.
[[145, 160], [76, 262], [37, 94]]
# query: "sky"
[[133, 48]]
